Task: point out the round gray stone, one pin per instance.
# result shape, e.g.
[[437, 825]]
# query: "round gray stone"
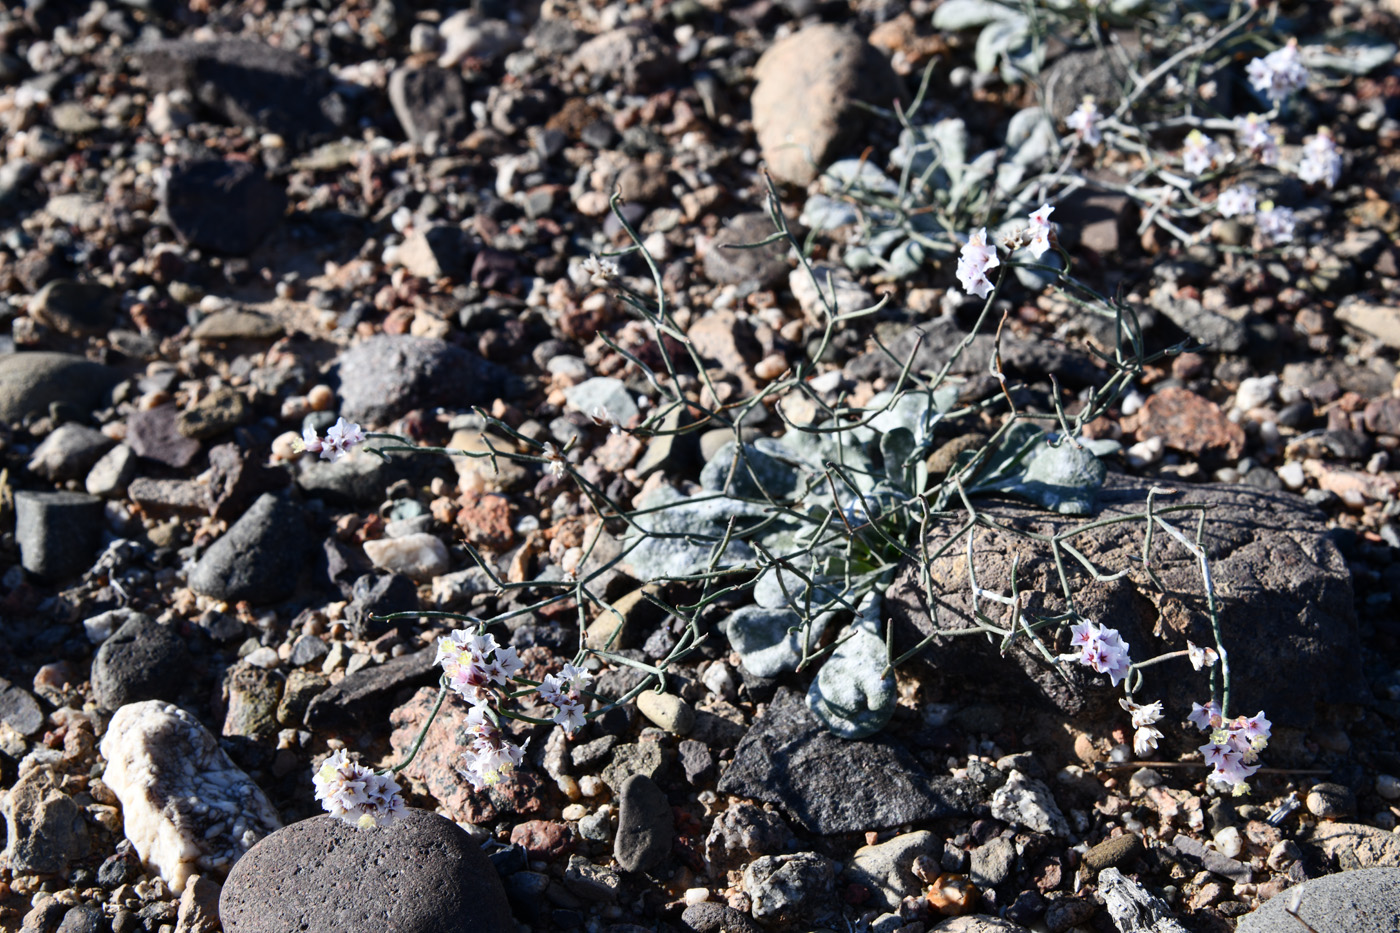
[[389, 375], [422, 874], [142, 660], [259, 558], [1363, 901], [30, 382]]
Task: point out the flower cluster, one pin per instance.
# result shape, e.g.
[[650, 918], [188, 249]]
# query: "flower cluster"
[[1085, 122], [977, 257], [355, 794], [1103, 649], [1200, 153], [490, 754], [1239, 201], [1280, 73], [1274, 224], [1234, 746], [475, 667], [1255, 137], [1321, 160], [340, 439], [565, 692], [600, 271], [1144, 716]]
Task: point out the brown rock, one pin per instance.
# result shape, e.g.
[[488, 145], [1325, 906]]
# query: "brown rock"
[[1383, 416], [154, 435], [199, 906], [722, 338], [1354, 845], [1191, 424], [486, 521], [542, 839], [804, 101]]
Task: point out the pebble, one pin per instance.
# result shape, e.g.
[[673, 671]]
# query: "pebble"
[[259, 558], [792, 886], [1331, 801], [1026, 801], [644, 825], [44, 827], [31, 382], [887, 869], [141, 660], [69, 452], [1388, 786], [668, 711], [1229, 842], [420, 556], [1114, 852]]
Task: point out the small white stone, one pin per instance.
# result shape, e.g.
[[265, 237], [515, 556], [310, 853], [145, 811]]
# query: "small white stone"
[[1255, 392], [1145, 453], [591, 785], [264, 657], [1388, 786], [574, 812], [1291, 474], [421, 556], [695, 896], [1228, 842]]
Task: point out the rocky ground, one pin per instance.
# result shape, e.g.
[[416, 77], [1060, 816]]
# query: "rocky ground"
[[222, 223]]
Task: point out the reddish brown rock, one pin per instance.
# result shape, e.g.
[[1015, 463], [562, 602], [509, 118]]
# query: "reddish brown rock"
[[486, 521], [1383, 416], [1190, 424], [543, 839]]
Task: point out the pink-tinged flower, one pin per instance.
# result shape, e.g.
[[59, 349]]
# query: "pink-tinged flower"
[[974, 261], [1321, 160], [1103, 649], [1256, 729], [1274, 225], [351, 792], [1083, 634], [1280, 73], [1144, 714], [570, 716], [1040, 231], [1236, 772], [1239, 201], [1205, 717], [1218, 754], [1085, 122], [1200, 153], [1255, 137], [341, 437], [485, 763], [309, 440]]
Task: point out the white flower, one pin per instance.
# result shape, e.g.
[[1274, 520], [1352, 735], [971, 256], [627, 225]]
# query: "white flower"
[[556, 459], [570, 716], [1236, 202], [974, 260], [1143, 715], [1145, 740], [1274, 224], [1321, 160], [1205, 717], [1279, 73], [309, 440], [1085, 122], [1103, 649], [1040, 231], [600, 271], [1200, 153], [1255, 137], [340, 438], [1203, 657], [355, 794]]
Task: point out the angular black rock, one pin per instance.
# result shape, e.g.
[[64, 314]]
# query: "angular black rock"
[[142, 660], [259, 558], [57, 532]]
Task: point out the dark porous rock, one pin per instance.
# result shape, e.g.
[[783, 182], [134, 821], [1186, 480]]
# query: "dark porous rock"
[[155, 435], [31, 382], [389, 375], [247, 83], [142, 660], [19, 710], [308, 649], [78, 309], [259, 558], [645, 826], [714, 917], [1115, 852], [57, 532], [83, 919], [832, 785], [727, 263], [431, 104], [1364, 901], [367, 693], [358, 480], [236, 479], [226, 207], [933, 343], [421, 874], [1283, 590], [377, 595]]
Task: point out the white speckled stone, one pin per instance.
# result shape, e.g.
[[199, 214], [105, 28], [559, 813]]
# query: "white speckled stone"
[[186, 807]]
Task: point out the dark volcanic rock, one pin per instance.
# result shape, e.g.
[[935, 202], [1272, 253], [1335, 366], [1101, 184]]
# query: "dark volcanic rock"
[[367, 693], [227, 207], [1283, 589], [19, 710], [57, 532], [386, 376], [155, 435], [377, 595], [431, 104], [247, 83], [644, 825], [1025, 358], [31, 382], [142, 660], [727, 263], [422, 874], [259, 558], [236, 479], [831, 785], [78, 309]]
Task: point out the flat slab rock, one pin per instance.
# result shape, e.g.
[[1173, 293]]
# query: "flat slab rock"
[[1283, 589], [422, 874], [832, 785], [1365, 901]]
